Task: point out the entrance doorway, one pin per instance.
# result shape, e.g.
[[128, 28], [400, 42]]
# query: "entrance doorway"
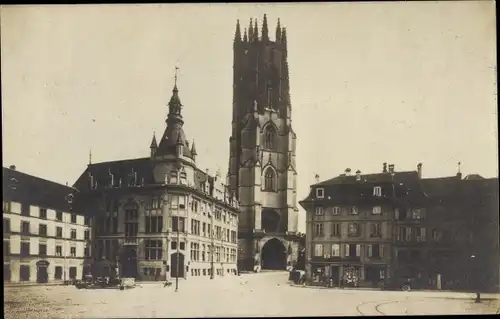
[[273, 255], [128, 259], [177, 257], [42, 274], [335, 274]]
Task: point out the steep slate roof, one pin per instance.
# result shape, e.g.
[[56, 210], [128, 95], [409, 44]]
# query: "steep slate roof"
[[120, 169], [24, 188], [437, 187], [370, 178]]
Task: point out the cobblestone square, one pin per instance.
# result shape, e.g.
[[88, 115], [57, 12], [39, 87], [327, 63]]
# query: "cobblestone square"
[[265, 294]]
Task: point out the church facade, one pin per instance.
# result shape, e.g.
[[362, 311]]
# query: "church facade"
[[161, 216], [262, 168]]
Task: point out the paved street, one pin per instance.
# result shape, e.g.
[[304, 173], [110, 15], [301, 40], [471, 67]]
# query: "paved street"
[[265, 294]]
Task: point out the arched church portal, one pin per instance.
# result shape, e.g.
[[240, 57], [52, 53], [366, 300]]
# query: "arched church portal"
[[270, 220], [273, 255]]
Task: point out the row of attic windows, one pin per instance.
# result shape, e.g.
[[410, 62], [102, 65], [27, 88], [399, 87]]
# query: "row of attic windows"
[[320, 192]]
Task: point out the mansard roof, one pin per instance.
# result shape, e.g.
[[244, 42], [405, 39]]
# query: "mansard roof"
[[370, 178], [28, 189], [120, 169]]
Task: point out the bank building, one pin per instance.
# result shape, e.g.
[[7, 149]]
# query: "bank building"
[[161, 216]]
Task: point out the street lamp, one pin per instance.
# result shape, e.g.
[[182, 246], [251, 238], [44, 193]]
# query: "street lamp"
[[478, 293]]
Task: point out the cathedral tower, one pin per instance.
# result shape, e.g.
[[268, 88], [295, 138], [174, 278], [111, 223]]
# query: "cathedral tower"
[[262, 169]]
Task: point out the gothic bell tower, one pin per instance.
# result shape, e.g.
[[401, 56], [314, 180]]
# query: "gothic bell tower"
[[262, 169]]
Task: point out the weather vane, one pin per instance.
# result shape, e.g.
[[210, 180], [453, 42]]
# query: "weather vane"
[[176, 69]]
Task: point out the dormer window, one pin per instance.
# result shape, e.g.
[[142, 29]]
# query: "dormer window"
[[132, 179], [377, 210], [319, 211], [377, 191], [320, 193], [353, 210]]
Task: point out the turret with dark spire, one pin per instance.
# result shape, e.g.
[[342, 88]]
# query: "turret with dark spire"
[[193, 151], [265, 30], [153, 145], [237, 34], [174, 136], [245, 38]]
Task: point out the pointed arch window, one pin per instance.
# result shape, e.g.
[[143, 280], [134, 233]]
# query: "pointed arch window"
[[269, 180], [270, 138]]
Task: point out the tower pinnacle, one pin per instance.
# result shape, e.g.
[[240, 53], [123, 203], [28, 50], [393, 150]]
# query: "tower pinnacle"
[[278, 32], [250, 31], [265, 30], [237, 34], [256, 32]]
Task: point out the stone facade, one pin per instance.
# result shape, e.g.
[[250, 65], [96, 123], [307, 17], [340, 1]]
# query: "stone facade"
[[44, 238], [161, 216], [262, 166]]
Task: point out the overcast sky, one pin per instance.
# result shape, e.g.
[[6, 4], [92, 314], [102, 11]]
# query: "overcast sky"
[[371, 82]]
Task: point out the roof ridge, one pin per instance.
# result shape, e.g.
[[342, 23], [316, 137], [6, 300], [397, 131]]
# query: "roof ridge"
[[15, 171]]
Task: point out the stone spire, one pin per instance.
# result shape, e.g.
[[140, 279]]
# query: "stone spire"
[[265, 30], [237, 34], [278, 32]]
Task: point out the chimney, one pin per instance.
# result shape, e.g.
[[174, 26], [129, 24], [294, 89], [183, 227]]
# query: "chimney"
[[316, 177], [391, 169], [12, 167], [358, 175], [419, 170], [384, 168], [347, 171]]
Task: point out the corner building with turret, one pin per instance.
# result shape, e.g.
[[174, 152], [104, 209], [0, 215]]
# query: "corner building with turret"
[[262, 167], [161, 216]]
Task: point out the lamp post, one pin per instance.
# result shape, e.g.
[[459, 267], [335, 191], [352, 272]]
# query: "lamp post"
[[476, 282]]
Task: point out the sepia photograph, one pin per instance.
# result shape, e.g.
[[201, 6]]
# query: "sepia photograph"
[[250, 159]]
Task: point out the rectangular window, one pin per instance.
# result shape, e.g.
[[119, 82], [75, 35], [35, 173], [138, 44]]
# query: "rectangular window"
[[336, 250], [422, 234], [59, 216], [25, 209], [154, 224], [377, 191], [59, 232], [408, 236], [73, 233], [25, 249], [6, 247], [42, 230], [335, 230], [6, 225], [73, 218], [86, 235], [377, 210], [43, 213], [178, 224], [73, 251], [24, 272], [376, 230], [336, 211], [353, 230], [416, 214], [182, 202], [154, 249], [59, 250], [318, 229], [320, 192], [375, 251], [86, 251], [318, 250], [319, 211], [86, 221], [42, 250], [58, 273], [25, 228], [131, 229]]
